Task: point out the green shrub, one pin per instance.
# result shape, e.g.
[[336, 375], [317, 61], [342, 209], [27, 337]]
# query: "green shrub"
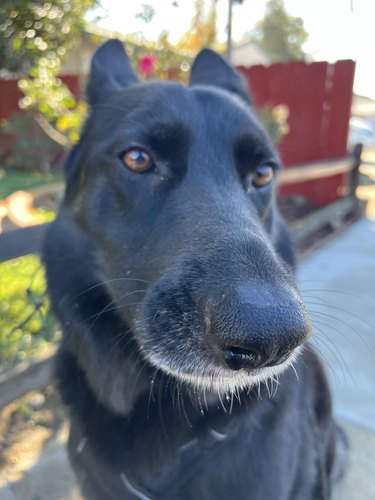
[[275, 121], [25, 146], [26, 324]]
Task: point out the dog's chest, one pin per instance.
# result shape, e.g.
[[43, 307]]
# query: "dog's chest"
[[162, 457]]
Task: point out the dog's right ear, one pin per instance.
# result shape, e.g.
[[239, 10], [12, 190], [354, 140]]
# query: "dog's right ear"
[[110, 71], [209, 68]]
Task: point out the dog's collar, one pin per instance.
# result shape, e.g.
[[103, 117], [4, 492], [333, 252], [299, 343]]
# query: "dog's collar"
[[189, 457]]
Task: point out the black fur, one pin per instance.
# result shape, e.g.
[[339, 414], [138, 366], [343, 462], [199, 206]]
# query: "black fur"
[[176, 294]]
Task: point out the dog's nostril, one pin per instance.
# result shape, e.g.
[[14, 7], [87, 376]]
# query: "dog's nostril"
[[237, 358]]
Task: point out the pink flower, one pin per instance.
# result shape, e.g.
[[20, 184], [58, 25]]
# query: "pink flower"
[[146, 64]]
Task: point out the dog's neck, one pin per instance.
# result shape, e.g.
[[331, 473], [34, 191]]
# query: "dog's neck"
[[178, 434], [114, 372]]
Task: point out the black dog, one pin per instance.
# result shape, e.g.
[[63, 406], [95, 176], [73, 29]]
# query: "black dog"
[[171, 272]]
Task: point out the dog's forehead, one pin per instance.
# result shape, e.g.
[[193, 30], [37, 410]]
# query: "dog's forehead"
[[154, 99], [168, 102]]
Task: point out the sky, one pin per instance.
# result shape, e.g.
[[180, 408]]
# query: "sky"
[[338, 29]]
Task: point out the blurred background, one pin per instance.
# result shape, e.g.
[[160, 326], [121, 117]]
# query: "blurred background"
[[310, 69]]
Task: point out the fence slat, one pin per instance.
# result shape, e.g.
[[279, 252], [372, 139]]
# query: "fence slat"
[[21, 242], [318, 170], [27, 376]]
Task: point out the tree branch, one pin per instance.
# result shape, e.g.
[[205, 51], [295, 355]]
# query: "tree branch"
[[54, 134]]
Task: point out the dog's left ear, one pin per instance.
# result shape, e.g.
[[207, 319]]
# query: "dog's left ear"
[[211, 69], [111, 71]]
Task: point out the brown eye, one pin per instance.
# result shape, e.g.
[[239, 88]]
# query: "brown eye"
[[262, 176], [137, 159]]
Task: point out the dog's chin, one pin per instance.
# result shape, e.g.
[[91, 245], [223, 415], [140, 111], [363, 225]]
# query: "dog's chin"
[[215, 379]]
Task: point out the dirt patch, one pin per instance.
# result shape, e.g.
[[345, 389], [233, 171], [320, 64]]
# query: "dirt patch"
[[28, 427]]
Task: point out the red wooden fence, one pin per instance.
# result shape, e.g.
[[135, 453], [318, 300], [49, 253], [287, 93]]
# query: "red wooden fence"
[[319, 97], [9, 97]]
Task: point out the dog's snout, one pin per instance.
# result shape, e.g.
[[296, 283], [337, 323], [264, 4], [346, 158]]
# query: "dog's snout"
[[255, 327]]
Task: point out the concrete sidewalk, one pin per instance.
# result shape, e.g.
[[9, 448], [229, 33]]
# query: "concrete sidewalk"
[[338, 283]]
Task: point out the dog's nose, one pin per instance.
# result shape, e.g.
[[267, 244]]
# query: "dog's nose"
[[238, 357], [254, 356], [255, 327]]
